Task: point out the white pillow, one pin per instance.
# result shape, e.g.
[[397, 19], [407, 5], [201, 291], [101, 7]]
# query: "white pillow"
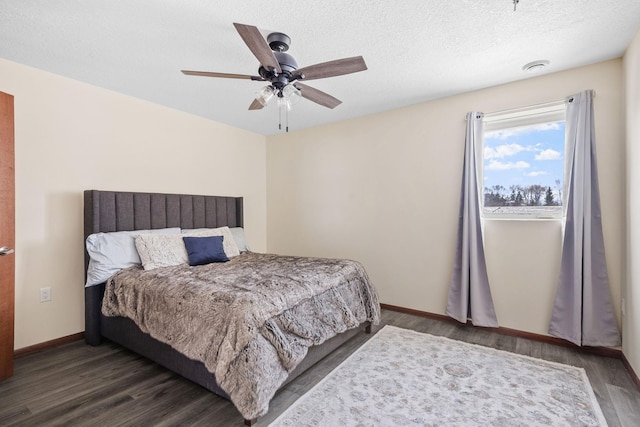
[[165, 250], [161, 250], [111, 252], [238, 236]]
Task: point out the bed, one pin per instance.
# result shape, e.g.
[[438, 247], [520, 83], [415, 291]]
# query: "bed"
[[108, 211]]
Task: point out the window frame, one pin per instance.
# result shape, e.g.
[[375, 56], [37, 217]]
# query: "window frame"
[[519, 117]]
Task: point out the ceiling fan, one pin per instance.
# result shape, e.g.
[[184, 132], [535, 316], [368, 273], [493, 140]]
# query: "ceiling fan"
[[282, 72]]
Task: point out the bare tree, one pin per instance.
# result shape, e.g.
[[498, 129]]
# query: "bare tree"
[[536, 191], [548, 198], [559, 188]]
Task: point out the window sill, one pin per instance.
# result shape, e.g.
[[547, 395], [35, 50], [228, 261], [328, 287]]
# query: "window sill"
[[528, 218]]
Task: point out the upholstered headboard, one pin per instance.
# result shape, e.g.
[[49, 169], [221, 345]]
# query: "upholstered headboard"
[[106, 211]]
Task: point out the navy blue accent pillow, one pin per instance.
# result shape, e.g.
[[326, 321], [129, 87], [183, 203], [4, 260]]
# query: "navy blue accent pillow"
[[205, 250]]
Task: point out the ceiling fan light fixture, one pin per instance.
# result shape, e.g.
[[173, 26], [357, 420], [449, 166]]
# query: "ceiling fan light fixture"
[[283, 104], [291, 94], [265, 94]]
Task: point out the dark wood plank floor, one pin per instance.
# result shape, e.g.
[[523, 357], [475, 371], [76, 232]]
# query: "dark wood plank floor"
[[79, 385]]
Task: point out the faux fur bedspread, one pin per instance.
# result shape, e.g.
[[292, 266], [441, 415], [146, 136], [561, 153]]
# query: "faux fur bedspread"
[[249, 320]]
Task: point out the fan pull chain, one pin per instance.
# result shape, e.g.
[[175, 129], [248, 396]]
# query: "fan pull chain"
[[282, 105]]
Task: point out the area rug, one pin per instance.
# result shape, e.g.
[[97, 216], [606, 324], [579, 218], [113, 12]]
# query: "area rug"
[[406, 378]]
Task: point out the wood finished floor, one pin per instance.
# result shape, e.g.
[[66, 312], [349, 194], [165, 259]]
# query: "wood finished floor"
[[79, 385]]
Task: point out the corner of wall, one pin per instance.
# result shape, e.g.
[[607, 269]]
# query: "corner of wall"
[[631, 284]]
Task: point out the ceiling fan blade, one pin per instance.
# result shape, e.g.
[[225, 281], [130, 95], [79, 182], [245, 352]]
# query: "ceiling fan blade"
[[337, 67], [317, 96], [258, 46], [225, 75], [256, 105]]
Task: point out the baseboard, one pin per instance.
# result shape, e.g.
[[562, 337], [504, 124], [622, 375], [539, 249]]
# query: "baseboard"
[[632, 373], [47, 345], [600, 351]]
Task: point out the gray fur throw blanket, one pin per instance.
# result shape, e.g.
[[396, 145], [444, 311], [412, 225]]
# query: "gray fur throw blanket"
[[249, 320]]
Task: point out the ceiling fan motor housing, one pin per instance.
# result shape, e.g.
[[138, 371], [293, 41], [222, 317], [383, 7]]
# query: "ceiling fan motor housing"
[[286, 61], [288, 65]]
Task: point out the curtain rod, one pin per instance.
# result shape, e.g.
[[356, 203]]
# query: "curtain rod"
[[527, 107], [530, 107]]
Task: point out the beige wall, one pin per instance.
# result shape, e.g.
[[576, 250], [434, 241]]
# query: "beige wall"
[[631, 320], [381, 189], [70, 137], [384, 189]]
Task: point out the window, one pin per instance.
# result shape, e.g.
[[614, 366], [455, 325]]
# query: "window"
[[523, 163]]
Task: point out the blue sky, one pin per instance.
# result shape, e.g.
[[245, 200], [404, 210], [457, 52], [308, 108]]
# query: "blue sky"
[[525, 156]]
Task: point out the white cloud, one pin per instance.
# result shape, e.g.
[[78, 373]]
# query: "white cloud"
[[500, 166], [548, 154], [502, 151], [537, 173]]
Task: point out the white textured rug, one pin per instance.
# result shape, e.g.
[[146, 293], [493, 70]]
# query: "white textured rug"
[[405, 378]]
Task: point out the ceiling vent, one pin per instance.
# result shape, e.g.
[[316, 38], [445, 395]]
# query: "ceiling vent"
[[535, 66]]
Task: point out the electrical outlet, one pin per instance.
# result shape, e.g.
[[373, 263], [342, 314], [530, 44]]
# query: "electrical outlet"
[[45, 294]]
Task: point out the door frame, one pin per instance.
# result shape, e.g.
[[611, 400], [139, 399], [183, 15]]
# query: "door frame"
[[7, 233]]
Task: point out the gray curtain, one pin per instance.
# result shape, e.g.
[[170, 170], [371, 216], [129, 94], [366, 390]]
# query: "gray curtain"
[[582, 311], [469, 292]]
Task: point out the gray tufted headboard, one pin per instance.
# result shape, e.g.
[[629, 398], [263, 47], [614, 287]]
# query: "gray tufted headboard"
[[106, 211]]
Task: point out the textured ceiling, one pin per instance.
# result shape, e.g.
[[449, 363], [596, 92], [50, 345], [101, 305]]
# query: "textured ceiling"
[[416, 50]]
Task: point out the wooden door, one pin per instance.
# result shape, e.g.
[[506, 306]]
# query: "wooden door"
[[7, 231]]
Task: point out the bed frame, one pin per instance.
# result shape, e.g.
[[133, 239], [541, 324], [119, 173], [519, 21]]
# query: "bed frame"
[[106, 211]]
